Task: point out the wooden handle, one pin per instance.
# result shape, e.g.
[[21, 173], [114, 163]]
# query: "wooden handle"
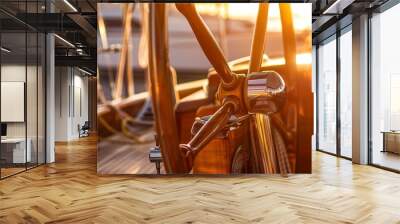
[[207, 42], [207, 132]]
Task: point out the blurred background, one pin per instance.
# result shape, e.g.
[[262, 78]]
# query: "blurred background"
[[231, 23]]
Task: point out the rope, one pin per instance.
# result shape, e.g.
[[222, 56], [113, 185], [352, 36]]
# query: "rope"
[[126, 119]]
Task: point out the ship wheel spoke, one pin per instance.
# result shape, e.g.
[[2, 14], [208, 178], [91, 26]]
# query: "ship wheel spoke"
[[207, 42], [257, 44]]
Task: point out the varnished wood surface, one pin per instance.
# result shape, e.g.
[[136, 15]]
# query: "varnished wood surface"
[[70, 191], [10, 171], [387, 159], [118, 155]]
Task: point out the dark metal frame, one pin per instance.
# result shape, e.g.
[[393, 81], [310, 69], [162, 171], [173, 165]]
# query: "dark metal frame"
[[338, 98], [316, 97], [44, 70], [369, 97], [0, 87]]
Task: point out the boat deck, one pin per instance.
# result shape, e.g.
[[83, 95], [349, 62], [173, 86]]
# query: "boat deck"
[[119, 155]]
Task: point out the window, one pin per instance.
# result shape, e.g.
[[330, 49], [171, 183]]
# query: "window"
[[385, 89], [346, 94], [327, 96]]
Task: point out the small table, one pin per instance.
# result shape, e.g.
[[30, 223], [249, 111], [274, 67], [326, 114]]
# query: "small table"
[[391, 141], [13, 150]]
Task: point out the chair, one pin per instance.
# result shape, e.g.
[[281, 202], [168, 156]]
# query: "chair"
[[84, 130]]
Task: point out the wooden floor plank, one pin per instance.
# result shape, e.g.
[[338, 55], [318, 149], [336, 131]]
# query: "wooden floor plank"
[[70, 191]]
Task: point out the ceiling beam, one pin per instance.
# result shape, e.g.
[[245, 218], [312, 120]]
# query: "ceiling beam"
[[337, 7], [78, 61], [84, 24]]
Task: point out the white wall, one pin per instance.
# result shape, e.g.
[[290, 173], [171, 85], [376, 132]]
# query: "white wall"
[[15, 73], [71, 94], [81, 102], [61, 103]]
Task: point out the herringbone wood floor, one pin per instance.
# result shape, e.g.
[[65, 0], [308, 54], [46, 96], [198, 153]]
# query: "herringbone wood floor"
[[69, 191]]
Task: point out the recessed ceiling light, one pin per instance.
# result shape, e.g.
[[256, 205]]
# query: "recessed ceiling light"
[[70, 5], [337, 7], [65, 41], [84, 71], [5, 50]]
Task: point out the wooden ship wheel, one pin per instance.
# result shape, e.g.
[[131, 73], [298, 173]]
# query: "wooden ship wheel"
[[258, 117], [252, 124]]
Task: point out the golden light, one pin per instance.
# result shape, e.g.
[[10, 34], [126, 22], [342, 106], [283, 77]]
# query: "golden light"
[[304, 58], [248, 12], [301, 59]]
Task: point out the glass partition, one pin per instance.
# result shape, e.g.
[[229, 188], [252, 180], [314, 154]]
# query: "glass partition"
[[22, 89], [14, 151]]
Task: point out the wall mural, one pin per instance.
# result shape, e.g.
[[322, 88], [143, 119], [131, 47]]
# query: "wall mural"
[[205, 88]]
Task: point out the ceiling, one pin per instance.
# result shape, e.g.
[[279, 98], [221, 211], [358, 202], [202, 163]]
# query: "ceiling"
[[330, 15], [74, 21]]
